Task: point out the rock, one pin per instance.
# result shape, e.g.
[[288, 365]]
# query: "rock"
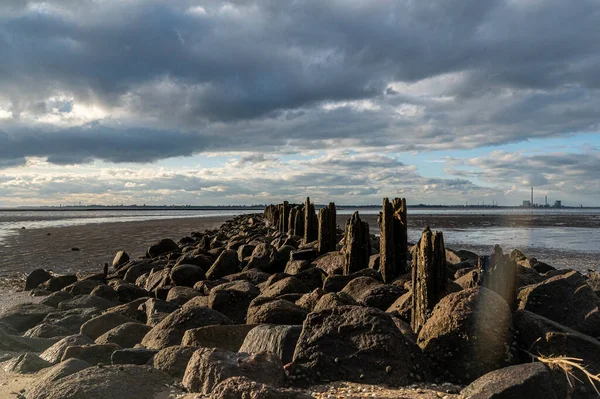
[[92, 354], [210, 366], [312, 277], [173, 360], [170, 331], [309, 301], [156, 310], [187, 275], [468, 334], [334, 299], [180, 294], [402, 307], [162, 247], [532, 381], [46, 330], [245, 251], [99, 325], [139, 356], [25, 364], [280, 340], [56, 298], [53, 374], [106, 292], [287, 285], [24, 316], [59, 282], [200, 260], [128, 292], [36, 292], [566, 299], [243, 387], [130, 309], [228, 337], [382, 296], [133, 270], [331, 263], [470, 279], [125, 335], [73, 319], [82, 287], [120, 259], [336, 283], [35, 278], [359, 344], [360, 287], [304, 254], [55, 353], [233, 299], [122, 381], [255, 276], [296, 266], [11, 343], [275, 311], [226, 263], [85, 301]]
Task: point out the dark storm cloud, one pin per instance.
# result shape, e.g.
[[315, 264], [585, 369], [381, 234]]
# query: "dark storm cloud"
[[192, 76]]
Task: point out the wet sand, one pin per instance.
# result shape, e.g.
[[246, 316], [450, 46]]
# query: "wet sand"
[[51, 248]]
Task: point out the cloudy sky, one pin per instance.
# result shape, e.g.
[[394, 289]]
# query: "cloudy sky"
[[245, 102]]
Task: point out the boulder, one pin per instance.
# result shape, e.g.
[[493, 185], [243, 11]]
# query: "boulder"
[[382, 296], [133, 270], [55, 353], [187, 275], [287, 285], [331, 263], [56, 298], [82, 287], [120, 259], [24, 316], [280, 340], [162, 247], [566, 299], [227, 263], [336, 283], [26, 363], [468, 334], [47, 330], [210, 366], [170, 331], [531, 381], [255, 276], [35, 278], [228, 337], [173, 360], [73, 319], [360, 287], [200, 260], [122, 381], [309, 301], [57, 283], [233, 299], [128, 292], [139, 356], [296, 266], [334, 299], [12, 343], [352, 343], [130, 309], [126, 335], [85, 301], [99, 325], [402, 307], [243, 387], [179, 295], [275, 311], [156, 310], [106, 292], [92, 354], [53, 374]]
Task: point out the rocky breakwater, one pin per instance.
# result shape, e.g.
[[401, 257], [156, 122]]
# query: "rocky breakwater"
[[286, 304]]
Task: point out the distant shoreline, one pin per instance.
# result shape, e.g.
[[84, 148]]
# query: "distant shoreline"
[[260, 208]]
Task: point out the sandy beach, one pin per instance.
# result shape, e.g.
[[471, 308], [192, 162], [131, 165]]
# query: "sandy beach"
[[51, 248]]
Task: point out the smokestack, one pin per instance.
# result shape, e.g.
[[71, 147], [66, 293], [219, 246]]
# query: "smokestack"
[[531, 196], [546, 200]]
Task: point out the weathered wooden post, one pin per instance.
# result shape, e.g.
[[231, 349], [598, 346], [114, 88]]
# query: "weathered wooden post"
[[310, 222], [272, 216], [499, 274], [428, 276], [357, 245], [327, 229], [284, 215], [291, 222], [393, 249], [299, 222]]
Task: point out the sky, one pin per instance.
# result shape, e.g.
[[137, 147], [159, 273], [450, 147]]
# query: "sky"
[[253, 102]]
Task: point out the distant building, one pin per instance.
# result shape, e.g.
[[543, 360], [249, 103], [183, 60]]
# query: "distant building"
[[527, 204], [558, 204]]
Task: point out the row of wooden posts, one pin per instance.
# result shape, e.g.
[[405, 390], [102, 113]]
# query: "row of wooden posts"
[[428, 264]]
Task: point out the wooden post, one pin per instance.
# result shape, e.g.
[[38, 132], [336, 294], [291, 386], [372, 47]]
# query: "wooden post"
[[428, 276], [310, 222], [393, 248], [357, 245], [327, 229], [499, 274]]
